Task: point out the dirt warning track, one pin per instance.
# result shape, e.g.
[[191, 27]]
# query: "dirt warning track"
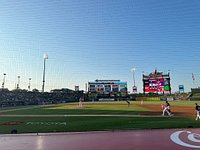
[[179, 139]]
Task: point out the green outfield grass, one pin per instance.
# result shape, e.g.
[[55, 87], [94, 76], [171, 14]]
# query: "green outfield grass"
[[129, 119], [73, 108]]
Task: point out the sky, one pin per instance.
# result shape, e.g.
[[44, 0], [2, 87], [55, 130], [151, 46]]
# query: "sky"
[[99, 39]]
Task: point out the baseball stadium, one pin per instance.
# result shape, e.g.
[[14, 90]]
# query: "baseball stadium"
[[105, 114], [101, 120], [115, 75]]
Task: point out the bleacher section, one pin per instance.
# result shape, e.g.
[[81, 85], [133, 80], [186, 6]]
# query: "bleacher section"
[[23, 97]]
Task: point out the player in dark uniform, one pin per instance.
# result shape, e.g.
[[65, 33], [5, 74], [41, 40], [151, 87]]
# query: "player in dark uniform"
[[168, 106], [128, 103]]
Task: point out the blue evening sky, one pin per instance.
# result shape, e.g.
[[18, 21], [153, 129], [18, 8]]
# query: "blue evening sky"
[[99, 39]]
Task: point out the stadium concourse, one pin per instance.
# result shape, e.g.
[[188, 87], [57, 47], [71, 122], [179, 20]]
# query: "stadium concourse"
[[179, 139]]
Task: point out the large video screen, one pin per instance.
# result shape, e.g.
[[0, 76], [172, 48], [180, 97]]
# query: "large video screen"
[[156, 85]]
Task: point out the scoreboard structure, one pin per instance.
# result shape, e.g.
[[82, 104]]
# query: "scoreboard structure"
[[108, 87], [157, 82]]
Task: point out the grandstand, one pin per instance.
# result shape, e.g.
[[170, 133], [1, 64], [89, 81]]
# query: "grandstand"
[[23, 97]]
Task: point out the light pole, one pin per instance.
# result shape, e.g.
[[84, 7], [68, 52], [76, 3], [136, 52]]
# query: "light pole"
[[45, 58], [4, 77], [134, 87], [29, 84], [133, 70], [18, 82]]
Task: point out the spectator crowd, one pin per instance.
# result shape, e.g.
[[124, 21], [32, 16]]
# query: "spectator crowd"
[[24, 97]]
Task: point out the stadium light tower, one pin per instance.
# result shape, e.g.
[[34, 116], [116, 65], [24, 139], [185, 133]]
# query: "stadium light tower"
[[29, 84], [133, 70], [18, 82], [45, 58], [4, 78], [134, 87]]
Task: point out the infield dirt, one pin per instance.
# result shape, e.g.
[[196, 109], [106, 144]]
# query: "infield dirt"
[[155, 109]]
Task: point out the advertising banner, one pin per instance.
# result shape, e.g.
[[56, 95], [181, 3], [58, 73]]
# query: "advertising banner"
[[134, 89], [115, 88], [181, 88], [122, 88], [107, 88], [100, 88], [76, 88], [92, 88]]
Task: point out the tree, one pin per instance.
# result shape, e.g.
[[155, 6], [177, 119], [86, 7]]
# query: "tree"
[[35, 90]]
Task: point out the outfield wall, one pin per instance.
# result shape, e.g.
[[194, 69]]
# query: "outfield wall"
[[147, 98], [194, 99], [155, 99]]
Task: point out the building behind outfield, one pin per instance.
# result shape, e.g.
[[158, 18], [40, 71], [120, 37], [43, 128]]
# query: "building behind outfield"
[[108, 88]]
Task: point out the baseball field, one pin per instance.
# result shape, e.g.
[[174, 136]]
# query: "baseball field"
[[97, 116]]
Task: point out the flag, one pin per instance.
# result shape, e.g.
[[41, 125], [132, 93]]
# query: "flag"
[[193, 77]]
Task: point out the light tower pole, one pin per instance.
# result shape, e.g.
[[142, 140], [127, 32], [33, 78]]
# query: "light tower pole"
[[45, 58], [18, 82], [4, 78], [134, 87], [133, 70], [29, 84]]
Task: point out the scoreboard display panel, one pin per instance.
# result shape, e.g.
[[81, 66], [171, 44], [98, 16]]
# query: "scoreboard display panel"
[[166, 85], [115, 88], [92, 88], [155, 86], [107, 86], [100, 88], [122, 88], [156, 82]]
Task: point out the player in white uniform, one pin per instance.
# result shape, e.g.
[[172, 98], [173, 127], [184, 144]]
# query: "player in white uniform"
[[197, 108], [166, 109]]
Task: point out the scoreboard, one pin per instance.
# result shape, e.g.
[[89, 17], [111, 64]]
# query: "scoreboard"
[[107, 86], [156, 82]]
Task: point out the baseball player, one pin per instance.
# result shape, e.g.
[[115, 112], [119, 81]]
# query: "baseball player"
[[197, 108], [166, 109]]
